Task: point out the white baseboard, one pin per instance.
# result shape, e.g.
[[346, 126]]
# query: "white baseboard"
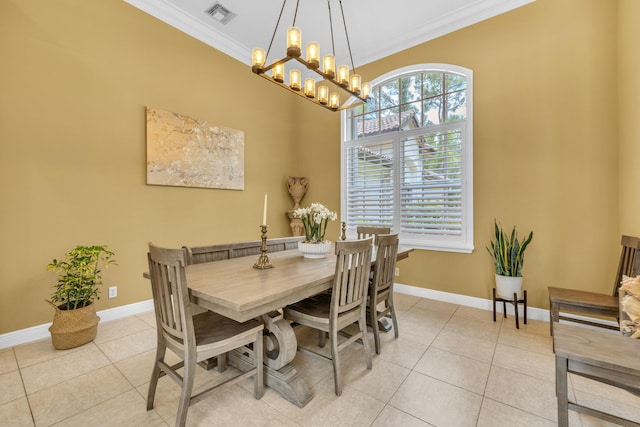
[[533, 313], [481, 303], [42, 331]]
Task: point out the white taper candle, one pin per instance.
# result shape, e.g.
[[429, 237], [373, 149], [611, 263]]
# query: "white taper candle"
[[264, 212]]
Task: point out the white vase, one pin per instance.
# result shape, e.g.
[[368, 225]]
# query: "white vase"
[[315, 250], [507, 285]]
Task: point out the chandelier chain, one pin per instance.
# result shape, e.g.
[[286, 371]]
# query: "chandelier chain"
[[346, 33], [275, 30], [333, 45]]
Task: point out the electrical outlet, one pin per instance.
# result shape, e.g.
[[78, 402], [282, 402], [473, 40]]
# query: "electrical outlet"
[[113, 291], [397, 271]]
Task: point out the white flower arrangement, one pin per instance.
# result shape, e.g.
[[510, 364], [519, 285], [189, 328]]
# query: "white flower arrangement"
[[315, 220]]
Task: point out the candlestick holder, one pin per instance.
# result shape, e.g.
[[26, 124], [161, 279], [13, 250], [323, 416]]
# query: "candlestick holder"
[[263, 261]]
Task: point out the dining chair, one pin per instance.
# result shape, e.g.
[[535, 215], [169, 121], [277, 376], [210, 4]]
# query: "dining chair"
[[193, 338], [364, 232], [583, 302], [344, 306], [380, 304]]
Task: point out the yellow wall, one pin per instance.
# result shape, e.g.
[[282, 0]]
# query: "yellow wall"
[[75, 78], [629, 125], [74, 82], [545, 145]]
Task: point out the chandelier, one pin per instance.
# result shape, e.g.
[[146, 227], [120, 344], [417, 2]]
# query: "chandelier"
[[340, 79]]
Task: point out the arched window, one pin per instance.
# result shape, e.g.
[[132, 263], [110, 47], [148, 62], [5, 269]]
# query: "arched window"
[[407, 157]]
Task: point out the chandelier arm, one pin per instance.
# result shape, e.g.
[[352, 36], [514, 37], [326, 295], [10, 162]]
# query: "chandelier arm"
[[273, 36], [328, 78], [314, 100], [346, 33], [333, 45]]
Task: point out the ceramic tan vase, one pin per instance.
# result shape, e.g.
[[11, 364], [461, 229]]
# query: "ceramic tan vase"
[[297, 186]]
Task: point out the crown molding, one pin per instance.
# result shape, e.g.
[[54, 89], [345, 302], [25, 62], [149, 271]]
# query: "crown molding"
[[440, 26], [179, 19], [462, 17]]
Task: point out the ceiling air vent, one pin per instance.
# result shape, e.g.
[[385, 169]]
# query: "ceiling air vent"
[[221, 13]]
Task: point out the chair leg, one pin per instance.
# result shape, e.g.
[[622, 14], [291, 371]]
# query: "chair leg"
[[155, 375], [392, 311], [322, 338], [365, 339], [335, 359], [258, 352], [221, 361], [187, 387], [373, 313]]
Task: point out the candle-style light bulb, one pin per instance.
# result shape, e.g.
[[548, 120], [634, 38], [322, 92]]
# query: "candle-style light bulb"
[[294, 42], [329, 65], [313, 54], [310, 88], [257, 57], [355, 83], [294, 79], [277, 73], [323, 95], [334, 100], [366, 90], [343, 75]]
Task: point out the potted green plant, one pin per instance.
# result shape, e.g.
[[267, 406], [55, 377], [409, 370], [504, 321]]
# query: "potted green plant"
[[75, 321], [315, 220], [507, 254]]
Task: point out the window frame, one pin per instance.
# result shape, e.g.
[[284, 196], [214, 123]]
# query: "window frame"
[[462, 243]]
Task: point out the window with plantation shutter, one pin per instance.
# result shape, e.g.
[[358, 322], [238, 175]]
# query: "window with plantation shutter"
[[370, 191], [407, 158]]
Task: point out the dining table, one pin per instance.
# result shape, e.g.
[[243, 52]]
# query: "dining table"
[[233, 288]]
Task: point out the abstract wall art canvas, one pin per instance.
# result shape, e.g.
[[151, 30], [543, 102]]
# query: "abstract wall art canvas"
[[188, 152]]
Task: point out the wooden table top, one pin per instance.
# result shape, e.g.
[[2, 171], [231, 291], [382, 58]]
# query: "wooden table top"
[[235, 289], [608, 350]]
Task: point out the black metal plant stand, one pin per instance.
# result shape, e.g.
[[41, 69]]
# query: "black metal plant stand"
[[515, 301]]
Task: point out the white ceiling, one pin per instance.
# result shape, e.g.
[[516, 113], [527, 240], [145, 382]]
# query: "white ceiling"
[[376, 28]]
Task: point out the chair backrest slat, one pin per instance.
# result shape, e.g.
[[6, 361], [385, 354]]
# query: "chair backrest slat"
[[351, 281], [170, 292], [364, 232], [386, 257], [629, 264]]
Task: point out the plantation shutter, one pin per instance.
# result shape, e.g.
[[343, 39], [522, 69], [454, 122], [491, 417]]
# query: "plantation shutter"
[[371, 179], [431, 184]]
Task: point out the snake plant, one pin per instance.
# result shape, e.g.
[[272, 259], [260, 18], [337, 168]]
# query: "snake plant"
[[507, 252]]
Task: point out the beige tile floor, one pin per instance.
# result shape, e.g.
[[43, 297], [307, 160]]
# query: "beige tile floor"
[[451, 366]]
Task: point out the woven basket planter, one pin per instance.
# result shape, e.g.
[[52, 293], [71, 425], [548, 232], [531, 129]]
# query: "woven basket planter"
[[73, 328]]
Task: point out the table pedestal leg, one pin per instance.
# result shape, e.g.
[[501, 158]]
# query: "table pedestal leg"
[[285, 380], [280, 345]]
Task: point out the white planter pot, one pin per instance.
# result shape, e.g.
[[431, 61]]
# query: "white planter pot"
[[315, 250], [506, 286]]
